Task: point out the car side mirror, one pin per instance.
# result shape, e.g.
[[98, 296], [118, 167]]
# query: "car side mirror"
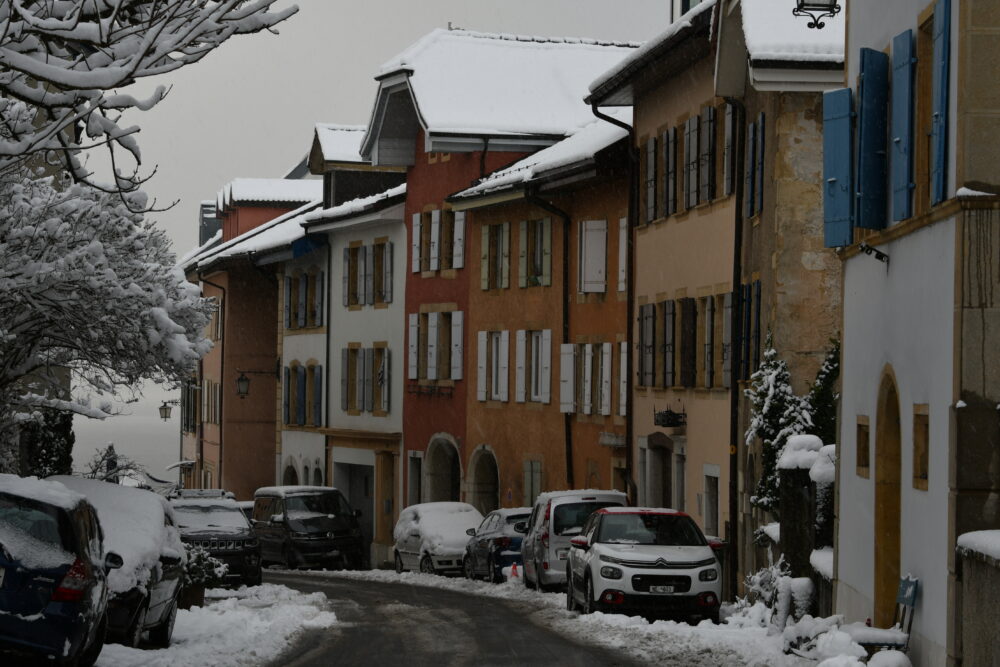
[[471, 532], [580, 542], [112, 561], [277, 518], [521, 527]]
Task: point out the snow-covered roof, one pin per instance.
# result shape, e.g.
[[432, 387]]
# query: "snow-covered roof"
[[634, 59], [43, 491], [772, 32], [340, 143], [355, 206], [283, 491], [269, 190], [583, 144], [272, 234], [184, 262], [467, 82]]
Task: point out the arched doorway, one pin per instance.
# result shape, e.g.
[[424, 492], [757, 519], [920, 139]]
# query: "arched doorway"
[[443, 474], [485, 492], [660, 470], [887, 500], [305, 474], [317, 474], [291, 476]]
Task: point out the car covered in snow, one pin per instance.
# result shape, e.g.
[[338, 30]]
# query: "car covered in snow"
[[139, 525], [556, 517], [495, 544], [307, 526], [220, 527], [652, 561], [53, 573], [432, 537]]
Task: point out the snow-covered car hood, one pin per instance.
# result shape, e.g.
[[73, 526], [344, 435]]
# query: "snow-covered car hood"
[[649, 553]]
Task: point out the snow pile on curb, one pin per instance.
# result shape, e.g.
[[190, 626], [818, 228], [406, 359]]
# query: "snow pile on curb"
[[249, 626]]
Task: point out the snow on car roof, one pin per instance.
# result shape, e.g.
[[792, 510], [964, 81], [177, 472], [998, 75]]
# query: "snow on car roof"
[[640, 510], [228, 503], [543, 80], [282, 491], [550, 495], [509, 511], [772, 32], [41, 490], [340, 143]]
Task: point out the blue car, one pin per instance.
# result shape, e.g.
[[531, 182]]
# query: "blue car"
[[53, 573], [495, 544]]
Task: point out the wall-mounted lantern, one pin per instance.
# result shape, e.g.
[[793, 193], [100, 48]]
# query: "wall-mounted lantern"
[[816, 10]]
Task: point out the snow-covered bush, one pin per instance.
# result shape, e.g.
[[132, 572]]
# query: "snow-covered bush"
[[823, 396], [203, 569]]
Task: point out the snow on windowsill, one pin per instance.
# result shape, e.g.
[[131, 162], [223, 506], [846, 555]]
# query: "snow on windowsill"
[[969, 192]]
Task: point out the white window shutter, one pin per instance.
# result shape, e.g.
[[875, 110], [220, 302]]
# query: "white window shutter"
[[520, 339], [567, 377], [546, 357], [387, 272], [415, 243], [432, 345], [623, 371], [504, 365], [588, 378], [370, 274], [456, 345], [435, 262], [458, 250], [412, 346], [593, 260], [605, 378], [481, 374], [622, 254]]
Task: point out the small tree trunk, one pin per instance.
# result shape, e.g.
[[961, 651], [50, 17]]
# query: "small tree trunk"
[[796, 521]]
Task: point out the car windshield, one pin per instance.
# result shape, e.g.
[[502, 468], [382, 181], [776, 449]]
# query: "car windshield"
[[656, 529], [570, 517], [209, 517], [38, 520], [319, 503]]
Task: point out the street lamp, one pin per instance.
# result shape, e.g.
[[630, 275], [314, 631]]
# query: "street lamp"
[[243, 382], [165, 409], [816, 10]]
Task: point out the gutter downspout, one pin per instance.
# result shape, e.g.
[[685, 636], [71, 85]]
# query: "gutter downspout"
[[532, 197], [633, 201], [222, 376], [326, 393], [735, 349]]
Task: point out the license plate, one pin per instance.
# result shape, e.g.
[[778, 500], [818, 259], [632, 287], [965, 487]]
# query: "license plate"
[[561, 553], [661, 589]]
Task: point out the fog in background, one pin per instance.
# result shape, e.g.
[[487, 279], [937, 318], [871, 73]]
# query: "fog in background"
[[248, 110]]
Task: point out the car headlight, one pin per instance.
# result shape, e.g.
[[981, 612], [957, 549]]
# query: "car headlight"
[[708, 575], [611, 572], [610, 559]]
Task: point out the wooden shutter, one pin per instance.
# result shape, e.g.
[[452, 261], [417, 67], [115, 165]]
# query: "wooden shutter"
[[649, 345], [286, 396], [706, 164], [670, 170], [504, 365], [749, 171], [369, 252], [432, 345], [317, 396], [873, 103], [593, 255], [520, 340], [901, 145], [484, 258], [522, 254], [567, 377], [727, 340], [345, 378], [756, 324], [745, 331], [303, 299], [288, 302], [669, 327], [415, 243], [458, 241], [622, 254], [623, 378], [300, 397], [505, 252], [456, 344], [688, 148], [345, 281], [588, 378], [689, 336], [761, 141], [605, 378], [838, 196], [728, 154], [482, 377], [547, 251], [710, 341], [651, 179], [435, 260], [387, 272], [413, 347], [940, 93], [546, 360], [386, 375], [369, 379]]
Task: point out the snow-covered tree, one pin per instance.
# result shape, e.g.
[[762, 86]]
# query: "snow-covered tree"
[[62, 61], [49, 442], [776, 413], [91, 303], [823, 396]]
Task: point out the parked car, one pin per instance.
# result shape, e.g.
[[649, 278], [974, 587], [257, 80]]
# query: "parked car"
[[140, 526], [556, 517], [495, 544], [432, 536], [220, 527], [307, 526], [652, 561], [53, 573]]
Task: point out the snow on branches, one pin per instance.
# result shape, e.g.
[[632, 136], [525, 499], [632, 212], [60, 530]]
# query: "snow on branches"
[[62, 61], [89, 299]]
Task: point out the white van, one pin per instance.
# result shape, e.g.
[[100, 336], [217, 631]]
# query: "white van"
[[556, 517]]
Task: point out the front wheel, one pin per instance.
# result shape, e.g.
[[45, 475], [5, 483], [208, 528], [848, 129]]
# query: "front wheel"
[[570, 599], [399, 563], [427, 565], [589, 606], [134, 635], [89, 656], [468, 569], [161, 634], [495, 573]]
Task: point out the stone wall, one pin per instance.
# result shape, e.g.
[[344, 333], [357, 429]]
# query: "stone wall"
[[979, 609]]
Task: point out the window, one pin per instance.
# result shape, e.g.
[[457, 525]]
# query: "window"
[[592, 260], [712, 505], [862, 447], [214, 329], [382, 271], [438, 240], [670, 171], [588, 378], [495, 256], [688, 347], [435, 345], [921, 446], [650, 179], [706, 331], [706, 154], [304, 299], [492, 365], [535, 253], [728, 152], [382, 389], [533, 352], [691, 161], [211, 402], [428, 244]]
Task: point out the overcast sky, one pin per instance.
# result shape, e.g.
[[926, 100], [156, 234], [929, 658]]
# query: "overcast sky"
[[248, 110]]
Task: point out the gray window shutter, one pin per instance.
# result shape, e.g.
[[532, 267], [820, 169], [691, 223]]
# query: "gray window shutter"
[[370, 274], [707, 154], [670, 172], [727, 153], [385, 377], [300, 397], [651, 179], [481, 374], [484, 258], [649, 345], [288, 302], [362, 276], [505, 267], [319, 298], [346, 278], [606, 378], [435, 260], [303, 298], [318, 396], [727, 339], [588, 378], [546, 251], [457, 345], [369, 377], [432, 345], [286, 396], [458, 242], [387, 272], [622, 254], [415, 243], [546, 360], [520, 374], [710, 341], [522, 254], [567, 377], [504, 369], [413, 347], [669, 319]]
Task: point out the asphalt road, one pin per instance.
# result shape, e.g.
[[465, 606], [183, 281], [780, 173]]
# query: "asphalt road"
[[390, 624]]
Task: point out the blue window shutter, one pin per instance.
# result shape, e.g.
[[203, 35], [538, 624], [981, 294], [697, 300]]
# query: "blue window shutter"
[[939, 120], [759, 197], [318, 396], [286, 388], [300, 397], [838, 193], [750, 171], [303, 293], [319, 293], [873, 103], [901, 138]]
